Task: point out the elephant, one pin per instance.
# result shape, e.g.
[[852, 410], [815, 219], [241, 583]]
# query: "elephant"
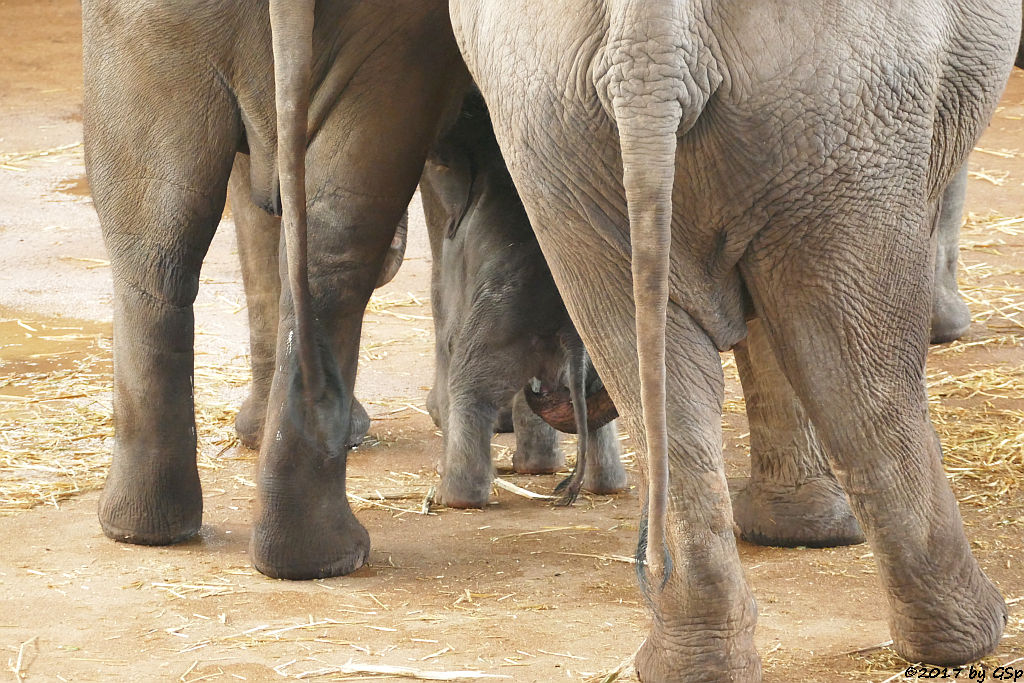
[[690, 167], [174, 94], [498, 323]]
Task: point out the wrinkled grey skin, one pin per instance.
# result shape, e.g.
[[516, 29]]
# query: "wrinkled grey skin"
[[498, 322], [259, 234], [172, 94], [792, 497], [789, 160]]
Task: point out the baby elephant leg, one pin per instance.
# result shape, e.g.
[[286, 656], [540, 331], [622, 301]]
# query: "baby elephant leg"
[[537, 447], [483, 376], [605, 473]]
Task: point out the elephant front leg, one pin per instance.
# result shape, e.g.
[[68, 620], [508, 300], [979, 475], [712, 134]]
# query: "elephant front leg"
[[258, 234], [482, 376], [467, 471], [792, 498]]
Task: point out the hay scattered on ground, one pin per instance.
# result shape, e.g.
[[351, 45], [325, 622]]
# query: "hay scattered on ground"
[[980, 422], [9, 161], [385, 304], [978, 411], [886, 666], [56, 427]]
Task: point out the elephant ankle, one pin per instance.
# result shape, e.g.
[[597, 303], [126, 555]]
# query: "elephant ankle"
[[606, 480], [814, 513], [960, 624], [701, 653]]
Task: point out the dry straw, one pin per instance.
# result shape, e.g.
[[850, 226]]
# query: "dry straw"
[[56, 427]]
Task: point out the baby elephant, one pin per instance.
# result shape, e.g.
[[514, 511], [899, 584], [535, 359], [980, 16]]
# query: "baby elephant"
[[499, 324]]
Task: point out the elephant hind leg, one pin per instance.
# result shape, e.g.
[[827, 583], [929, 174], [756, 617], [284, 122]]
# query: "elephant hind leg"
[[605, 475], [853, 346], [158, 180], [705, 612], [258, 234], [792, 498]]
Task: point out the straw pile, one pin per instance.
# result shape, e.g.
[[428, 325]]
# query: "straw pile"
[[53, 437]]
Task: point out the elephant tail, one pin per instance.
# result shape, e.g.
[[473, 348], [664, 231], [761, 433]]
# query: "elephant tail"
[[647, 137], [291, 23], [654, 82], [577, 380]]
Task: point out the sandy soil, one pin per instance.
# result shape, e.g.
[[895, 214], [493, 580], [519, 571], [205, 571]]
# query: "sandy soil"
[[520, 590]]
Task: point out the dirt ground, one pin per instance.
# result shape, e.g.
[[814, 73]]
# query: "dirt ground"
[[521, 590]]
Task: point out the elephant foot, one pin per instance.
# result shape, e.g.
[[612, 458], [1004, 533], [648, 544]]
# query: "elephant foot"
[[703, 654], [152, 508], [814, 513], [527, 460], [654, 665], [950, 317], [249, 422], [305, 528], [359, 424], [961, 626], [465, 489], [605, 481]]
